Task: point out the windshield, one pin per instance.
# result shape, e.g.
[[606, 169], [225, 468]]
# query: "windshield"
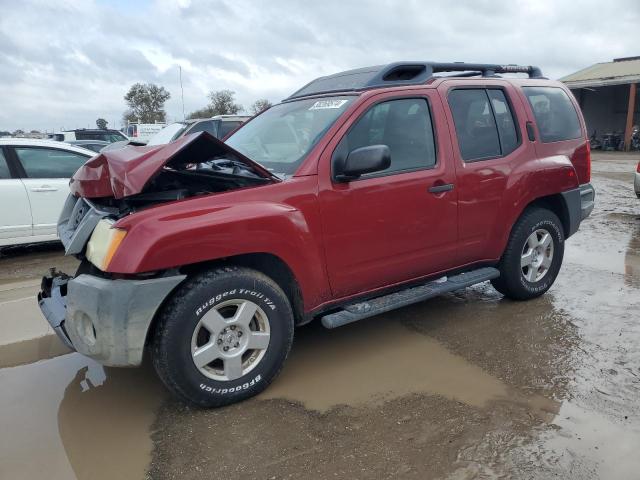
[[168, 134], [280, 138]]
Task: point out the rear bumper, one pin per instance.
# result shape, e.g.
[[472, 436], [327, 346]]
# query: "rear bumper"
[[104, 319], [636, 184], [579, 204]]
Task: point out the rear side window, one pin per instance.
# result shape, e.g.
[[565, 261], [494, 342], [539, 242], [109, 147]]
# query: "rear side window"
[[404, 126], [556, 116], [49, 162], [475, 125], [106, 136], [485, 124], [226, 127], [207, 126], [4, 168]]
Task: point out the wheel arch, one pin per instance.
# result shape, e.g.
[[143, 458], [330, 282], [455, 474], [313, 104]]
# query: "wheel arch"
[[271, 265], [555, 203]]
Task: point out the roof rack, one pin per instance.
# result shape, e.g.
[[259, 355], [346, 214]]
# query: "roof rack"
[[404, 73]]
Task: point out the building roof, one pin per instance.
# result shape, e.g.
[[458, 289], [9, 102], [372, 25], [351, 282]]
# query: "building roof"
[[620, 71]]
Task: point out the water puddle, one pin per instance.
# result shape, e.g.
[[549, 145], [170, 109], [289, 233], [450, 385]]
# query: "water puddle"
[[377, 360], [589, 445], [31, 351], [69, 418]]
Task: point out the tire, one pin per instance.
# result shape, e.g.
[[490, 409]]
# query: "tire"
[[519, 281], [222, 313]]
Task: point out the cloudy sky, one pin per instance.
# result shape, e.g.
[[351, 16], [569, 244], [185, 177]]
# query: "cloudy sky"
[[65, 63]]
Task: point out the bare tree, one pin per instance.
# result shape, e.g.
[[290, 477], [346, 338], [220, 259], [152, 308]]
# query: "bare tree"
[[260, 105], [221, 102], [146, 103], [101, 123]]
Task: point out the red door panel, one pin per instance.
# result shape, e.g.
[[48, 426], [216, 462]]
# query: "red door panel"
[[482, 184], [388, 229]]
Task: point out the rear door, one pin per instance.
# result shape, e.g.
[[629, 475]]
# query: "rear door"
[[15, 213], [487, 120], [46, 173], [391, 226]]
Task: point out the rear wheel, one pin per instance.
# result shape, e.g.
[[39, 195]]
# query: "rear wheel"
[[532, 259], [223, 336]]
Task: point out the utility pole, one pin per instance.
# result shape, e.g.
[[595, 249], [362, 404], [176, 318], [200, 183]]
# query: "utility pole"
[[182, 92]]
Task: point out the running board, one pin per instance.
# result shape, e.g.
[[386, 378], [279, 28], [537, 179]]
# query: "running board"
[[359, 311]]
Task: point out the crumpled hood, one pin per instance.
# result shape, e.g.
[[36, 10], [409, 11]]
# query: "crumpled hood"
[[126, 171]]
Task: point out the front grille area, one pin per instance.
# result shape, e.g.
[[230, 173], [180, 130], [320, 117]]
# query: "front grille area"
[[76, 223]]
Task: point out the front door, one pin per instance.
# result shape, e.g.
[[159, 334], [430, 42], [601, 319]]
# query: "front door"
[[399, 224], [46, 178]]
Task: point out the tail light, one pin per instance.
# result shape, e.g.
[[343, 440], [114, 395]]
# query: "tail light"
[[638, 169]]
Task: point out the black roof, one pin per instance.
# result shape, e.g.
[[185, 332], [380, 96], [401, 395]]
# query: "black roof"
[[404, 73]]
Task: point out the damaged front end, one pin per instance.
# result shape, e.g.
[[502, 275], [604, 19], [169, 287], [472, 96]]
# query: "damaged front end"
[[124, 180], [103, 318], [106, 316]]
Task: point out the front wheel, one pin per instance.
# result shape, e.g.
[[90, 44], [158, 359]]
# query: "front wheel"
[[223, 336], [531, 262]]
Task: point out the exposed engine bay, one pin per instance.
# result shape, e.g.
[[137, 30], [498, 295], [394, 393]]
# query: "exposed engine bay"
[[134, 177], [183, 181], [125, 180]]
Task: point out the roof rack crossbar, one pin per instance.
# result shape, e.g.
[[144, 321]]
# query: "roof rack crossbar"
[[487, 70]]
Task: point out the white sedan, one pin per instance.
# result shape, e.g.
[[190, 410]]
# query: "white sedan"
[[34, 184]]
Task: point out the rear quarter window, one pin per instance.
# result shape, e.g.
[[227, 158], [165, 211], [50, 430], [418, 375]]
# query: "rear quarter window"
[[555, 115]]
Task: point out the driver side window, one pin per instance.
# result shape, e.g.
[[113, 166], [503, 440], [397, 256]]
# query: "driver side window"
[[404, 126]]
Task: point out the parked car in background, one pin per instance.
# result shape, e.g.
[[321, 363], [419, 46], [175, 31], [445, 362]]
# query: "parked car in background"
[[361, 193], [219, 126], [94, 145], [143, 132], [34, 184], [105, 135]]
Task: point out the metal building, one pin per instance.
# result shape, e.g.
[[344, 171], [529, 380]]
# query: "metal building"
[[607, 95]]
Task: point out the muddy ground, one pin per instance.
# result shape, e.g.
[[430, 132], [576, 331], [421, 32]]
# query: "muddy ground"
[[468, 385]]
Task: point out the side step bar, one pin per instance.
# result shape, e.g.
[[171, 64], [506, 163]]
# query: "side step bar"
[[359, 311]]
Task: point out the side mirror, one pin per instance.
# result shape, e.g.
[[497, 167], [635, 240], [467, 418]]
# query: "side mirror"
[[373, 158]]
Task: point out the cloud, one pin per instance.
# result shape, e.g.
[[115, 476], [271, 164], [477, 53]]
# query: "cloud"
[[66, 63]]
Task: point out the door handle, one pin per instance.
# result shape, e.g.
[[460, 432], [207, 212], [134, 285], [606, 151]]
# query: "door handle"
[[445, 187], [44, 188]]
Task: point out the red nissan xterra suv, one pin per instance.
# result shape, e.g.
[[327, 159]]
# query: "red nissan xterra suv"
[[362, 192]]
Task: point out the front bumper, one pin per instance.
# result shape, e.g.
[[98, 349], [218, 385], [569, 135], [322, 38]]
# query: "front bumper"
[[104, 319], [579, 204]]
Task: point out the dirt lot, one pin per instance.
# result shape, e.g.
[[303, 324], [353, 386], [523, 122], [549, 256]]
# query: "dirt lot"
[[465, 386]]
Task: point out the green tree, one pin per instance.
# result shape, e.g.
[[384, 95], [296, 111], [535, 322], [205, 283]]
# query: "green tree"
[[221, 102], [101, 123], [146, 103], [260, 105]]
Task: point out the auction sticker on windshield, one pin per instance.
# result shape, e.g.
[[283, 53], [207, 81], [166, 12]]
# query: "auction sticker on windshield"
[[326, 104]]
